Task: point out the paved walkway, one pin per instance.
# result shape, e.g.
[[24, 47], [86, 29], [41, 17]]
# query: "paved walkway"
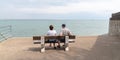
[[85, 48]]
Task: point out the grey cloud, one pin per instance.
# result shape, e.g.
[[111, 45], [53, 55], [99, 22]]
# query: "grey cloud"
[[35, 3]]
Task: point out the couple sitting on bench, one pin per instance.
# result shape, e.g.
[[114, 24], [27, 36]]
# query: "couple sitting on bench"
[[64, 32]]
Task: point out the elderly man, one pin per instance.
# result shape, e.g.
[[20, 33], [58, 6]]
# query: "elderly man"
[[64, 32]]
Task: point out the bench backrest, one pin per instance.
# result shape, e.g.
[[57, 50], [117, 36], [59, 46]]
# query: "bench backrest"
[[52, 37], [37, 39]]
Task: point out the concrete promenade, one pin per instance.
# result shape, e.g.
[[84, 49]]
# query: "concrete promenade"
[[101, 47]]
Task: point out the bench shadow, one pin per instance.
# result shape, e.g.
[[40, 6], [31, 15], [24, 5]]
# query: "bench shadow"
[[36, 49], [52, 48]]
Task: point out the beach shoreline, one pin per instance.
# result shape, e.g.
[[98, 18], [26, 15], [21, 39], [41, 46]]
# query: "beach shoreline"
[[102, 47]]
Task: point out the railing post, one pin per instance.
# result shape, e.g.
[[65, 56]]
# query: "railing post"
[[42, 44], [66, 43], [10, 28]]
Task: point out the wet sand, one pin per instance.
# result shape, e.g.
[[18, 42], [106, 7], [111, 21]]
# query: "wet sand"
[[101, 47]]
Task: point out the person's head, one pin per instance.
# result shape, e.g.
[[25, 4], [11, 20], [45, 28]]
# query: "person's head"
[[63, 25], [51, 27]]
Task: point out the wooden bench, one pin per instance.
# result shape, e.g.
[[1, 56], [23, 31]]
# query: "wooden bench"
[[44, 39]]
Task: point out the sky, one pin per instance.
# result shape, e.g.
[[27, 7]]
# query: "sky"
[[58, 9]]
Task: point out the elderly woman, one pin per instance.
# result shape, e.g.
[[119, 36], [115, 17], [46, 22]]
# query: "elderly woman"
[[52, 32]]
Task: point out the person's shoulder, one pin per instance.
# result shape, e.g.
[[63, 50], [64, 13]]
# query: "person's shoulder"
[[49, 30], [67, 29], [54, 30]]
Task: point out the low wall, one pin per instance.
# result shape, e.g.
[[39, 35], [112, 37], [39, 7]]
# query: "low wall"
[[114, 27]]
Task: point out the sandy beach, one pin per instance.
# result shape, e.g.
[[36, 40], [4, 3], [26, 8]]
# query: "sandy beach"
[[101, 47]]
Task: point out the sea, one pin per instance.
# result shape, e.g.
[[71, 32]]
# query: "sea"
[[39, 27]]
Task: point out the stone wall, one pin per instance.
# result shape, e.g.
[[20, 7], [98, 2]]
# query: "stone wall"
[[114, 24]]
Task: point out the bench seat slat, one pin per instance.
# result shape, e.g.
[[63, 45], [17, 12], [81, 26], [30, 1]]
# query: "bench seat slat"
[[38, 42]]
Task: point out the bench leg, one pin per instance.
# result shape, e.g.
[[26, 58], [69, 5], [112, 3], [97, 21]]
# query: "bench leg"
[[66, 43], [42, 44]]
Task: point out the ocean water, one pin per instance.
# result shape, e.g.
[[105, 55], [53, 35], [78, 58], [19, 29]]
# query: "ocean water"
[[31, 27]]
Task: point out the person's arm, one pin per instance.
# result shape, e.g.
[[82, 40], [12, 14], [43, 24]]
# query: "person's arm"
[[69, 32], [55, 33], [61, 33]]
